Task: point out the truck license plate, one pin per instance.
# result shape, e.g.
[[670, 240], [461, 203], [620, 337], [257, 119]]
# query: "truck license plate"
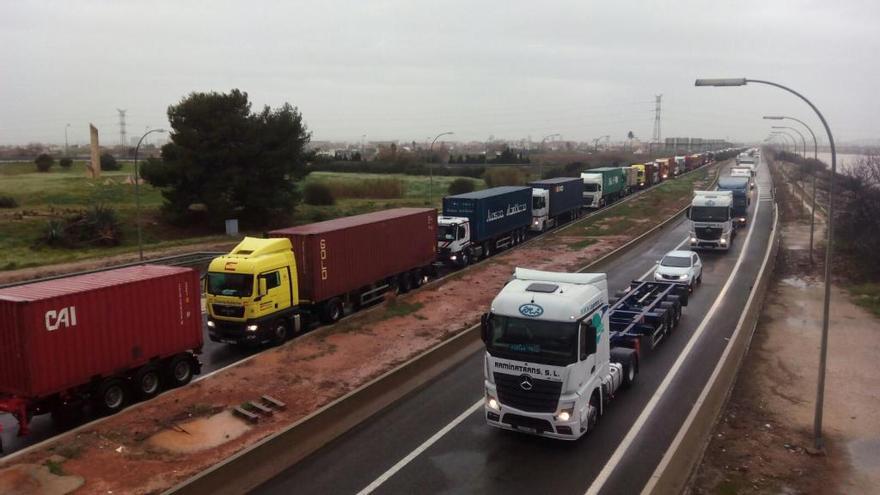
[[526, 429], [228, 341]]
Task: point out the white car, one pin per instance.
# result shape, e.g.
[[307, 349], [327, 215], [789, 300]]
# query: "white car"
[[680, 266]]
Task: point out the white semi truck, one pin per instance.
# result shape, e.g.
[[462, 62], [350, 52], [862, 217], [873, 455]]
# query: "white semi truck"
[[556, 351], [711, 220]]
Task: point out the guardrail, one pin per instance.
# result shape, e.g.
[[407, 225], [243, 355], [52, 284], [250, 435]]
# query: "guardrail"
[[261, 462], [684, 455]]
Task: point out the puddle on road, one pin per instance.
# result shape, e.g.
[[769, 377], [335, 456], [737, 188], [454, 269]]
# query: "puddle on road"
[[200, 434], [796, 282], [865, 453]]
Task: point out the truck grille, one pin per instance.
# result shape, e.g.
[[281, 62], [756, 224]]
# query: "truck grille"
[[543, 396], [708, 233], [228, 311]]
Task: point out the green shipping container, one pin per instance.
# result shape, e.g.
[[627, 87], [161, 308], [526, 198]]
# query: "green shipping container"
[[613, 186]]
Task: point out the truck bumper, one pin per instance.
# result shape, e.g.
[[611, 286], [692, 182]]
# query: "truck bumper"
[[229, 332], [540, 424], [714, 245]]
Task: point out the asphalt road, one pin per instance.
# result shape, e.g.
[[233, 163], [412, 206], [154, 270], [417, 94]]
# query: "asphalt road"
[[429, 442], [214, 356]]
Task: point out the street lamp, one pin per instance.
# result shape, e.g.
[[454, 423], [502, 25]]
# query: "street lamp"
[[803, 141], [431, 166], [823, 353], [816, 158], [137, 192], [788, 136]]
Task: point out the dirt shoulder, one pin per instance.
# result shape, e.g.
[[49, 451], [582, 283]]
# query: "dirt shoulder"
[[131, 453], [763, 441]]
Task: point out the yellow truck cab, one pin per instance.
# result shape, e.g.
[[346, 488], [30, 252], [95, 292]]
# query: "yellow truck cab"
[[252, 293], [640, 174]]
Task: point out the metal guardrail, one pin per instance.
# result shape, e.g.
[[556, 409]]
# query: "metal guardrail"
[[259, 463]]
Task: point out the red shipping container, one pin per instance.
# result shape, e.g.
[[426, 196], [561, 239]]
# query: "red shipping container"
[[60, 334], [342, 255]]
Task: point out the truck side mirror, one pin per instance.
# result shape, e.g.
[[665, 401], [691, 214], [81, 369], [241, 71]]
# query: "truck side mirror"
[[485, 320], [262, 291], [687, 213]]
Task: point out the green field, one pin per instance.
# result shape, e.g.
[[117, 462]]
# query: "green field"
[[44, 196]]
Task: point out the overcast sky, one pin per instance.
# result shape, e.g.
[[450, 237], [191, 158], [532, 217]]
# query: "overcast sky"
[[403, 69]]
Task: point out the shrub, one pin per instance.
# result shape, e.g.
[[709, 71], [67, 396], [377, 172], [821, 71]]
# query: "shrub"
[[318, 194], [98, 226], [44, 162], [461, 186], [504, 176], [65, 162], [8, 202], [109, 163]]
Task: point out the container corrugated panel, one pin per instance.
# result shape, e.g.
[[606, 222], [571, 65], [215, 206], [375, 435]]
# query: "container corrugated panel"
[[346, 254], [566, 193], [492, 212], [60, 334]]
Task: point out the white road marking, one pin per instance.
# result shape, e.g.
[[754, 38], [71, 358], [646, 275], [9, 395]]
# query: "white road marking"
[[633, 432], [421, 448]]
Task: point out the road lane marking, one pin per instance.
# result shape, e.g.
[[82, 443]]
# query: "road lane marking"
[[673, 447], [421, 448], [636, 428]]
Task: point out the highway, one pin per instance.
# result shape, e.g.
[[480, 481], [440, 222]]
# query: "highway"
[[436, 440]]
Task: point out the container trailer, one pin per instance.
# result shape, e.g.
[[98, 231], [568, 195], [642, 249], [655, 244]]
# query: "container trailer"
[[266, 290], [556, 352], [477, 224], [739, 187], [555, 201], [107, 338]]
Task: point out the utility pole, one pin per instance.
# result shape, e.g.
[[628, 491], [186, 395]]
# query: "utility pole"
[[121, 129], [655, 137]]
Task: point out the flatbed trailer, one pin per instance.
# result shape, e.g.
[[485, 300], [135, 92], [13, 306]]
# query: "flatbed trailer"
[[644, 313]]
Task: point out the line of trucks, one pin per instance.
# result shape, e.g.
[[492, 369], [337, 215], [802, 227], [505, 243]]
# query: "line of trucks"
[[104, 340]]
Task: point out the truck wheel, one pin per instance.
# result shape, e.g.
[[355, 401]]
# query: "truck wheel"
[[593, 413], [111, 396], [280, 333], [332, 311], [487, 249], [403, 283], [630, 372], [146, 382], [179, 371], [465, 259]]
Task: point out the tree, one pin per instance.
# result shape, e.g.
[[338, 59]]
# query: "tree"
[[65, 162], [460, 186], [236, 163], [44, 162], [109, 163]]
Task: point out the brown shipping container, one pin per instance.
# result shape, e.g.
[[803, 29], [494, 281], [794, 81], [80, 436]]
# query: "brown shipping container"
[[59, 334], [342, 255]]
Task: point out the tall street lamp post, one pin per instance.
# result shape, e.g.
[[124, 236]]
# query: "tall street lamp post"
[[829, 245], [431, 167], [137, 192], [803, 141], [816, 158]]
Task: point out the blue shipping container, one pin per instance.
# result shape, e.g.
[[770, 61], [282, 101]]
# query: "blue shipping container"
[[566, 193], [740, 188], [492, 212]]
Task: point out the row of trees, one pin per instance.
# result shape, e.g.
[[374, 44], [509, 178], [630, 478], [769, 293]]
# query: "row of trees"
[[45, 162]]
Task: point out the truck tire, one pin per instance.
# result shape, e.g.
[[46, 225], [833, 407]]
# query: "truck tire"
[[331, 311], [594, 412], [280, 332], [146, 382], [112, 396], [404, 284], [179, 371], [630, 371], [487, 249], [673, 312], [465, 258]]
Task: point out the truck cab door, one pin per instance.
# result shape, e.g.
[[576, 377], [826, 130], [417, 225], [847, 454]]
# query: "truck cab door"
[[277, 296]]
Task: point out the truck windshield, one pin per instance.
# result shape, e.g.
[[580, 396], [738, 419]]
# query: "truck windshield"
[[535, 341], [538, 202], [230, 284], [710, 213], [591, 187], [446, 232]]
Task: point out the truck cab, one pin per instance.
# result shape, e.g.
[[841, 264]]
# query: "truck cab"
[[549, 364], [540, 210], [454, 240], [641, 174], [592, 189], [680, 165], [252, 293], [711, 220]]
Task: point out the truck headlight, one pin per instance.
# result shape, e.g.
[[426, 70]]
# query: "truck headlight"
[[723, 241], [566, 410], [492, 402], [453, 257], [252, 328], [211, 324], [693, 240]]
